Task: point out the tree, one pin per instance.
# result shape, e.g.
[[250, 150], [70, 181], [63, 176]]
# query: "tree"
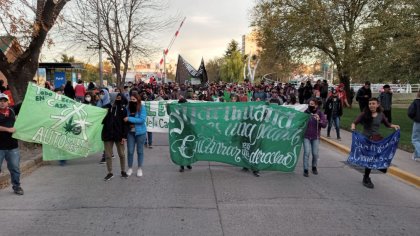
[[126, 29], [31, 31], [391, 48], [213, 68], [334, 27], [232, 47], [233, 64], [66, 58]]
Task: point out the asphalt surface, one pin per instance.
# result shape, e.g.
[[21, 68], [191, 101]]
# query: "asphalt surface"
[[211, 199]]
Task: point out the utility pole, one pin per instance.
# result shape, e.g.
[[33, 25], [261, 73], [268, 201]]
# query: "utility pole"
[[164, 67], [101, 82], [165, 52]]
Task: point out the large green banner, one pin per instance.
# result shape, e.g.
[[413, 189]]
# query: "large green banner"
[[67, 129], [255, 135]]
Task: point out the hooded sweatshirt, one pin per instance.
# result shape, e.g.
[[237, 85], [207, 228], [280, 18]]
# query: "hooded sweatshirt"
[[104, 102]]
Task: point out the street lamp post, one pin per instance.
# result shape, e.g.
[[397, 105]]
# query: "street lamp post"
[[101, 82]]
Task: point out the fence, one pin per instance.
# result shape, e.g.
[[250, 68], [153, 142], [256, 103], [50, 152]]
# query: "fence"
[[396, 88]]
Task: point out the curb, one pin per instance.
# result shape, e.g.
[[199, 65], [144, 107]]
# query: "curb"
[[392, 170], [26, 168]]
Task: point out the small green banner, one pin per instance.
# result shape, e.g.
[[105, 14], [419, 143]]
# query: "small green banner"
[[255, 135], [67, 129]]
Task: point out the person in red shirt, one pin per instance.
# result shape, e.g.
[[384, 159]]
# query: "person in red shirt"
[[342, 95], [243, 97], [80, 91], [9, 149]]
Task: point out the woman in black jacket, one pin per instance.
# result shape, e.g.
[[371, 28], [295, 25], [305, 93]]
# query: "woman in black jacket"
[[115, 132]]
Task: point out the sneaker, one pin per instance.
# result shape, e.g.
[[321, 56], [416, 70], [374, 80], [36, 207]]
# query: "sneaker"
[[150, 146], [139, 172], [18, 190], [367, 182], [124, 175], [103, 161], [256, 173], [415, 158], [145, 145], [314, 171], [305, 173], [181, 169], [339, 139], [109, 177], [129, 171], [113, 157], [189, 167]]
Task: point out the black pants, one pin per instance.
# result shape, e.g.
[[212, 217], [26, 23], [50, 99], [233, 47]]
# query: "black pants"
[[388, 116], [367, 171]]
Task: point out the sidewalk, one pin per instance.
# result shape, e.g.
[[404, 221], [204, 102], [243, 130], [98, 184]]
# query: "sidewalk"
[[403, 166], [30, 159]]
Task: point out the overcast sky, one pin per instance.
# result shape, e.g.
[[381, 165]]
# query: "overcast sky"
[[209, 27]]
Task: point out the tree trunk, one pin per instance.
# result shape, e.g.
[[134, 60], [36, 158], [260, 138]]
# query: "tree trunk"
[[344, 76], [24, 68]]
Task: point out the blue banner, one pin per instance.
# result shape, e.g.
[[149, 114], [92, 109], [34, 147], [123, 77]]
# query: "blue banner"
[[373, 154], [59, 79]]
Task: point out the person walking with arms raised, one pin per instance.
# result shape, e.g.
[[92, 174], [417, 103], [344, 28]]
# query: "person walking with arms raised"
[[371, 119]]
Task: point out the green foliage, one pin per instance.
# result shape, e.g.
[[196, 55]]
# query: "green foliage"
[[376, 40], [232, 48], [232, 67], [391, 48], [65, 58], [213, 68]]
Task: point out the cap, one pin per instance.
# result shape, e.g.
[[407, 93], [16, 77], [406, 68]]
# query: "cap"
[[4, 96]]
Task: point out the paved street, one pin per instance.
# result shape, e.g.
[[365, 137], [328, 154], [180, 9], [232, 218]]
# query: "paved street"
[[212, 199]]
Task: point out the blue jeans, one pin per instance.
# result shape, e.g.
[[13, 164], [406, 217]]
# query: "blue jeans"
[[310, 145], [336, 121], [134, 140], [12, 158], [415, 139], [149, 139]]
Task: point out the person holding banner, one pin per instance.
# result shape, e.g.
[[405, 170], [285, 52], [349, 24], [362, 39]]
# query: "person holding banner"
[[181, 168], [9, 149], [103, 101], [371, 119], [136, 135], [115, 132], [312, 134]]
